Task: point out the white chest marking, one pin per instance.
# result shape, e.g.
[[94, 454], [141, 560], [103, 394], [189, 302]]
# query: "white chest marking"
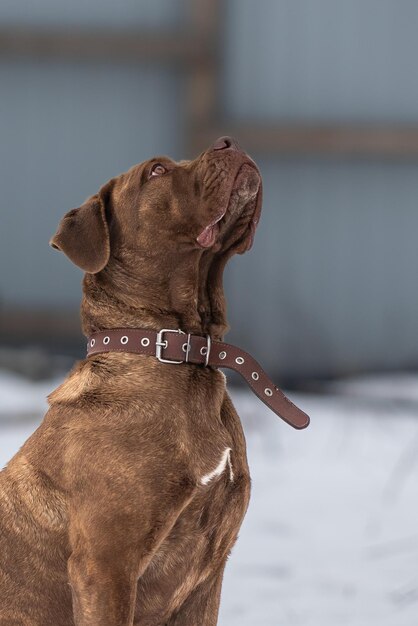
[[220, 468]]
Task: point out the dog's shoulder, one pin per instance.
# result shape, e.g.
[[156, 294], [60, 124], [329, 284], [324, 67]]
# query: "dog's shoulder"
[[82, 379]]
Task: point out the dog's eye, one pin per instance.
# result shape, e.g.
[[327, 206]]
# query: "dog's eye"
[[157, 170]]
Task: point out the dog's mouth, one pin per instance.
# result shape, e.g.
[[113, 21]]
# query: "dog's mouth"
[[241, 215]]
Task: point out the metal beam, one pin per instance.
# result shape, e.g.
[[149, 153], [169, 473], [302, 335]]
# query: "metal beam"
[[202, 82], [368, 141], [20, 324], [98, 45]]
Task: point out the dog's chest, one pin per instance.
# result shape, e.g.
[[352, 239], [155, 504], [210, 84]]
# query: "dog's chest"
[[202, 538], [200, 541]]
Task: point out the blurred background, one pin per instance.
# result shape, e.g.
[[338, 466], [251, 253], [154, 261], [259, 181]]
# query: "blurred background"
[[324, 95]]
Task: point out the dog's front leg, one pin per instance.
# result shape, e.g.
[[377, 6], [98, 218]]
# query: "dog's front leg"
[[202, 606], [104, 590], [112, 544]]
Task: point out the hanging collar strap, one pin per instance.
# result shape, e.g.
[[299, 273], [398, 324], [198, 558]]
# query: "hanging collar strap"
[[176, 347]]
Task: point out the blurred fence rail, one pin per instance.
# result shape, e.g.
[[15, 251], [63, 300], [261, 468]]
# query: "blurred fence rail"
[[99, 45]]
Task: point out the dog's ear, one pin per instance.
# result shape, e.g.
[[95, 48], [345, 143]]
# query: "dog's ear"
[[83, 235]]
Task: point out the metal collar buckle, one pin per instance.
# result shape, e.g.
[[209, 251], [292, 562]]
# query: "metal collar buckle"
[[162, 343]]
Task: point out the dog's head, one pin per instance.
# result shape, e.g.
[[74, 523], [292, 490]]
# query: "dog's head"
[[171, 208], [154, 241]]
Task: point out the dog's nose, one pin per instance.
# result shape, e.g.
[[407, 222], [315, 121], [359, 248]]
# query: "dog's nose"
[[225, 142]]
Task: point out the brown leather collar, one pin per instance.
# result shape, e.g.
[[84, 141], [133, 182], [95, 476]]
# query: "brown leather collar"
[[176, 347]]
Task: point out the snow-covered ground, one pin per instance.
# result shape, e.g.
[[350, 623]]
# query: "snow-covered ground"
[[331, 535]]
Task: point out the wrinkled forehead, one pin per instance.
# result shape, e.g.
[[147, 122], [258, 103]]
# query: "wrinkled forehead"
[[138, 173], [127, 185]]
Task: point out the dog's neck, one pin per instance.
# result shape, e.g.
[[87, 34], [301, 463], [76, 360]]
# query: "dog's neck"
[[188, 295]]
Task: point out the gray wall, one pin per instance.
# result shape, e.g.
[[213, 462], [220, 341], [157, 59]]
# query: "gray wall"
[[330, 284], [331, 281], [65, 130], [322, 59], [94, 13]]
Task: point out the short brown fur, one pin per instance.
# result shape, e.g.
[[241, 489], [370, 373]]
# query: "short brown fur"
[[104, 520]]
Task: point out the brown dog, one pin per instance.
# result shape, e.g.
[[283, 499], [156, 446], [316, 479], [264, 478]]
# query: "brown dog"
[[123, 506]]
